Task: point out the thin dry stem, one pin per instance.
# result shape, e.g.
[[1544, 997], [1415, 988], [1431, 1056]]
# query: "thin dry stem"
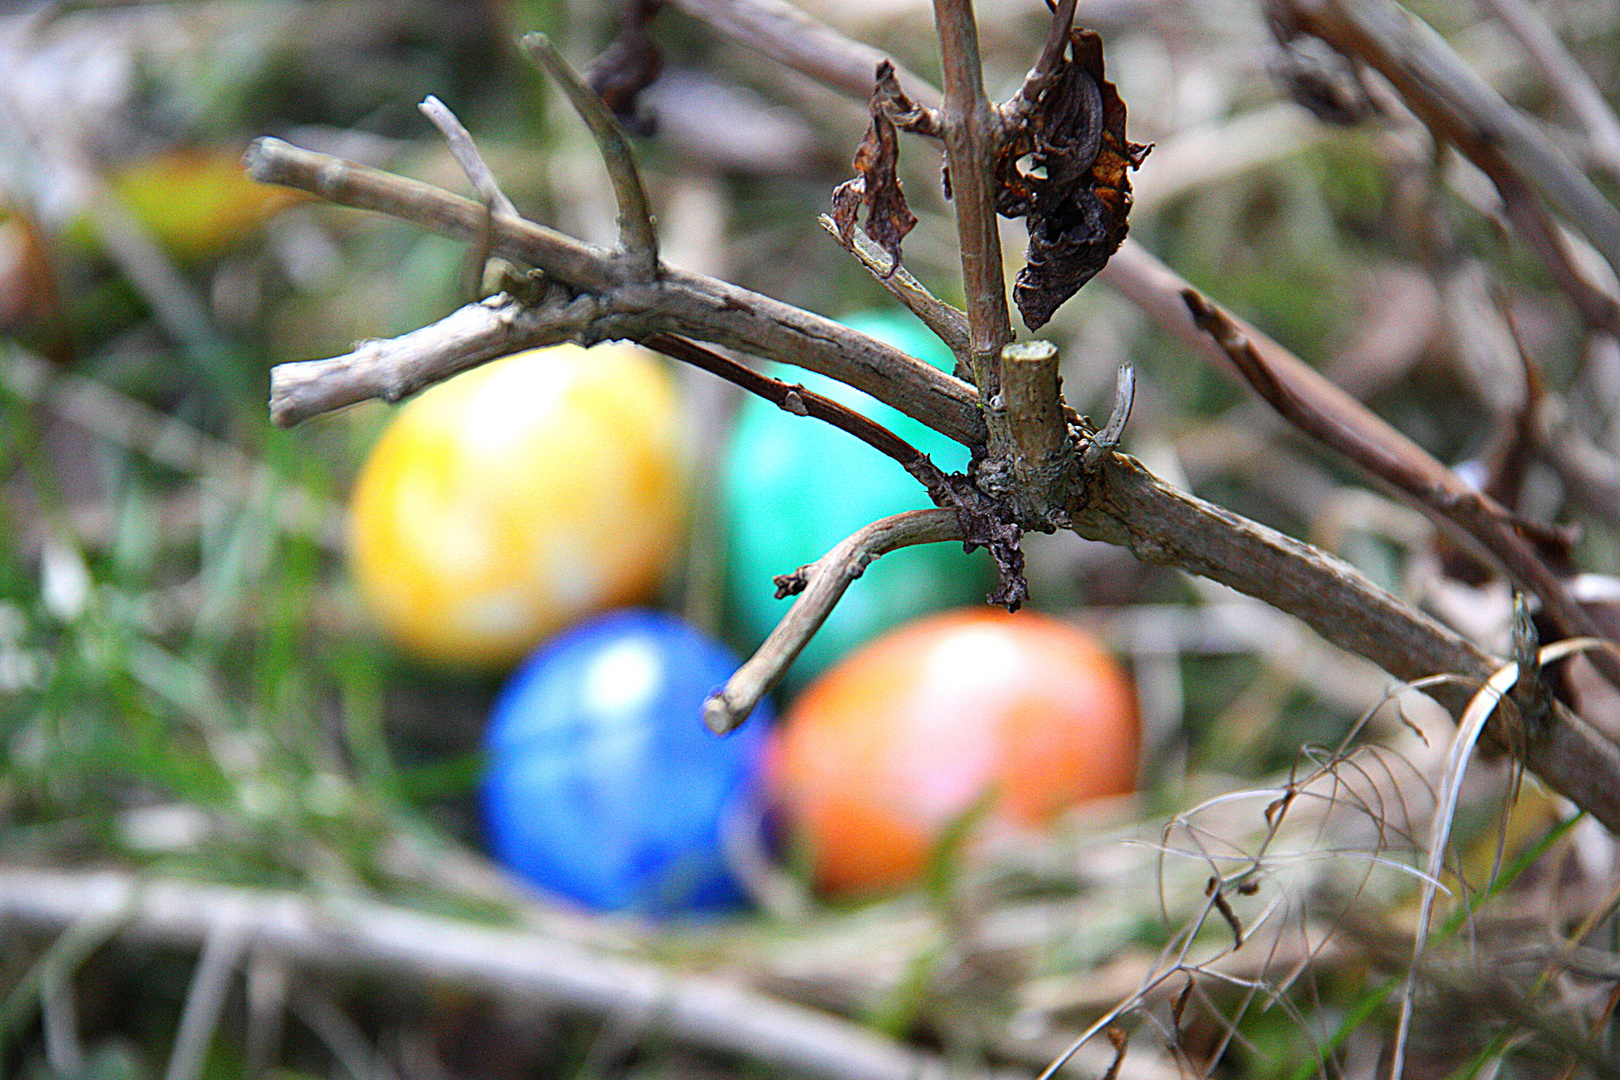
[[394, 368], [1122, 503], [1460, 107], [637, 237], [948, 323], [1567, 80], [796, 41], [465, 151], [1314, 405], [221, 953], [1100, 445], [796, 399], [350, 933], [971, 130], [1022, 104], [824, 582]]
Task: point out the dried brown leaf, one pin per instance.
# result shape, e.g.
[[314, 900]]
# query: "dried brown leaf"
[[1066, 172], [876, 186]]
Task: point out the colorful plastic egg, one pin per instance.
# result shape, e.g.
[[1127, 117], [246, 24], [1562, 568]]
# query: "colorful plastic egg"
[[602, 783], [793, 488], [904, 737], [517, 498]]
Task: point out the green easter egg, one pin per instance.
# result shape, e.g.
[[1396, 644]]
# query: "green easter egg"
[[794, 487]]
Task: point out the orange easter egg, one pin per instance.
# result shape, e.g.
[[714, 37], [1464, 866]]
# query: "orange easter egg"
[[906, 734]]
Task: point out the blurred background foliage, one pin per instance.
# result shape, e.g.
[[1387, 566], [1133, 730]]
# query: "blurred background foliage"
[[188, 687]]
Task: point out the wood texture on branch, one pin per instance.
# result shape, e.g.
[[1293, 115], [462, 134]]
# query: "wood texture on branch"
[[690, 305], [353, 934]]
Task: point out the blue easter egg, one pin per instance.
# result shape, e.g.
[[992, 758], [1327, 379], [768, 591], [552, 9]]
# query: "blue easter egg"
[[793, 487], [602, 784]]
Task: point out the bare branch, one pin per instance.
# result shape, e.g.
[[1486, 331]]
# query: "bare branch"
[[679, 302], [1566, 78], [1597, 306], [822, 583], [354, 934], [395, 368], [796, 399], [1460, 106], [972, 128], [1122, 503], [465, 151], [795, 40], [948, 323], [637, 237], [1322, 410]]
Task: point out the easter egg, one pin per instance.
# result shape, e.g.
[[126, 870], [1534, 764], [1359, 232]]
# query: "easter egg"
[[517, 498], [906, 735], [793, 487], [601, 782]]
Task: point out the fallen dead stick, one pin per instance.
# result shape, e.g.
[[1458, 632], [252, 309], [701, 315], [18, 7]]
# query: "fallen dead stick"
[[356, 934]]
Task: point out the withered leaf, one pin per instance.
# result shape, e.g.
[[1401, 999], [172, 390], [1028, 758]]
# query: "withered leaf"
[[629, 65], [1065, 172], [876, 186]]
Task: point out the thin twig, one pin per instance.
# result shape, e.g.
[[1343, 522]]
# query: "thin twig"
[[1102, 444], [465, 151], [679, 302], [1017, 110], [822, 582], [1317, 407], [948, 323], [1567, 79], [796, 399], [1597, 306], [637, 237], [221, 953], [971, 132], [394, 368], [1461, 107], [352, 933]]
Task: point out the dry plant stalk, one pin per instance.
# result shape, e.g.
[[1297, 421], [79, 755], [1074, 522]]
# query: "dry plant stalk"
[[1036, 465]]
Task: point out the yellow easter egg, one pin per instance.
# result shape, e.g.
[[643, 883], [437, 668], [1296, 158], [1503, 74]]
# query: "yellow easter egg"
[[518, 497]]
